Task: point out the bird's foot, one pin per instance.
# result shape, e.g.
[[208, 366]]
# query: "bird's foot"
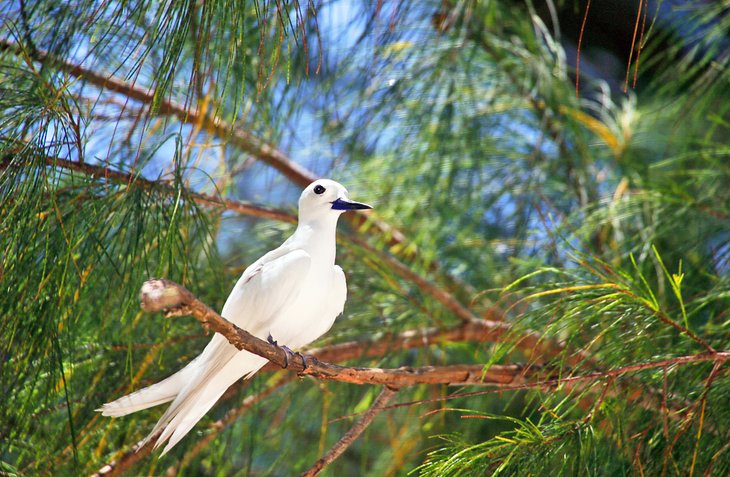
[[287, 351]]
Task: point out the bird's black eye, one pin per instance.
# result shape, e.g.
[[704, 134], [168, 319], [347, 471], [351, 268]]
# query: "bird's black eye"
[[318, 189]]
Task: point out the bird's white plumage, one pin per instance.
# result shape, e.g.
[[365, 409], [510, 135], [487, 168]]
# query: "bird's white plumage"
[[292, 293]]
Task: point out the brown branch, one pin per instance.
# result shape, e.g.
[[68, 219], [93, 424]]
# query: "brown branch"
[[346, 441], [159, 295], [244, 208], [470, 331], [716, 357]]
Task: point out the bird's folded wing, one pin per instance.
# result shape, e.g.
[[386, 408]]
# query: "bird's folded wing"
[[264, 289], [255, 300]]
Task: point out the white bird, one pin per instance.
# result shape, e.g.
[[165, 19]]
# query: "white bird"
[[290, 296]]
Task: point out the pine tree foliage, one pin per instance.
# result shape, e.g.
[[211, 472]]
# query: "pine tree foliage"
[[170, 139]]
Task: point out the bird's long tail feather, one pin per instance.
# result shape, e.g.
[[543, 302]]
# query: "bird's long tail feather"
[[193, 391], [189, 410], [221, 366], [153, 395]]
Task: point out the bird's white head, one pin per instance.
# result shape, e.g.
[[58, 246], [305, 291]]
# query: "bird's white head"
[[324, 199]]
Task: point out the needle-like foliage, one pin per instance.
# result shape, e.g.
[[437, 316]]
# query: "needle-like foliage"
[[582, 230]]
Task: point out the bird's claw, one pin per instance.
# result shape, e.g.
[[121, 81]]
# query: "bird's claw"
[[288, 352]]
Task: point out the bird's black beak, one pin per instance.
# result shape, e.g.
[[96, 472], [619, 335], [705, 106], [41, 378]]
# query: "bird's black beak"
[[343, 204]]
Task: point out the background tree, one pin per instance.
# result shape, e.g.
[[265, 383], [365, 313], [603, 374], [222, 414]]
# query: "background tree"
[[569, 231]]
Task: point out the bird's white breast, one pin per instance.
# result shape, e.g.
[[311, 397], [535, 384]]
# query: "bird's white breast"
[[311, 314]]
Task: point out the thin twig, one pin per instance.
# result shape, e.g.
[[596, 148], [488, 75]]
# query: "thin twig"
[[346, 441], [580, 44], [166, 295], [244, 208]]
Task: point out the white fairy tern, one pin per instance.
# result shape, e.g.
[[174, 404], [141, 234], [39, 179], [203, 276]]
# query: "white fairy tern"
[[290, 296]]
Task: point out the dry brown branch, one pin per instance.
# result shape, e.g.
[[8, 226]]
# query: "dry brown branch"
[[470, 331], [716, 357], [346, 441], [478, 331], [158, 295], [164, 295]]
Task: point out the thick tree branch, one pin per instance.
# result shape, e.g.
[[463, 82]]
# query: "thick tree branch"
[[164, 295], [160, 295], [346, 441]]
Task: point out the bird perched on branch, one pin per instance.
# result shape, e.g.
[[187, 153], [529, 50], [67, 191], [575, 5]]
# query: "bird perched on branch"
[[290, 296]]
